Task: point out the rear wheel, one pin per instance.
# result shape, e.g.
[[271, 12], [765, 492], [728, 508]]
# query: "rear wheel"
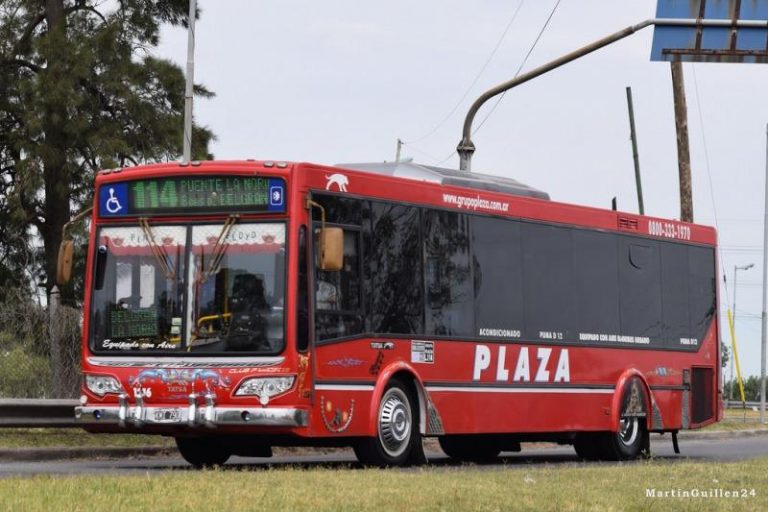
[[397, 439], [202, 452], [629, 442]]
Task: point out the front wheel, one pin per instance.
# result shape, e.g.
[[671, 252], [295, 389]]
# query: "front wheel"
[[397, 440], [202, 452]]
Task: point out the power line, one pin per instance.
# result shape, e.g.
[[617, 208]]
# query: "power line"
[[709, 173], [520, 68], [477, 77], [431, 157]]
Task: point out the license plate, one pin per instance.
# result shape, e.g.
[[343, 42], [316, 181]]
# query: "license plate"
[[166, 415]]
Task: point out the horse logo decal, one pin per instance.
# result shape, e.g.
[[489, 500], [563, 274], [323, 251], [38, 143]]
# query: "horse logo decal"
[[337, 179]]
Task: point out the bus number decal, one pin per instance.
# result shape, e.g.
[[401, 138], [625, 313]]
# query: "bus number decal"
[[522, 364], [142, 392], [668, 229]]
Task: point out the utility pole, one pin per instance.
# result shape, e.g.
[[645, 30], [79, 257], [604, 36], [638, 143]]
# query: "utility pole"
[[765, 289], [635, 156], [54, 333], [683, 152], [190, 84]]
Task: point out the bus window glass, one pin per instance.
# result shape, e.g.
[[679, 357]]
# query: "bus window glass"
[[449, 299], [236, 276], [498, 277], [340, 210], [674, 295], [394, 266], [147, 285], [701, 290], [140, 305], [125, 280], [548, 282], [337, 295], [596, 285], [640, 282]]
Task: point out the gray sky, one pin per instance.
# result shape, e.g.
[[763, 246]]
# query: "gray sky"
[[341, 80]]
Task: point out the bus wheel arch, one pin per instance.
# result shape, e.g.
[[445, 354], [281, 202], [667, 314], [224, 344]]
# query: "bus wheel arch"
[[628, 437], [630, 417], [632, 395], [404, 373], [395, 421]]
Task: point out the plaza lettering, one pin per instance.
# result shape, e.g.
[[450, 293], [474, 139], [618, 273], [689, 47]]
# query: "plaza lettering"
[[527, 365]]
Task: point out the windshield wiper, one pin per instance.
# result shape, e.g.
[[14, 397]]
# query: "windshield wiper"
[[219, 249], [158, 251]]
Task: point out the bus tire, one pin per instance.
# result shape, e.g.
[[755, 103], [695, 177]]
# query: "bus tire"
[[397, 441], [202, 452], [630, 442], [469, 448], [588, 446]]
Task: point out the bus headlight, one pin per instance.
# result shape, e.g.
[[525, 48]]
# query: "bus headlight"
[[103, 384], [265, 387]]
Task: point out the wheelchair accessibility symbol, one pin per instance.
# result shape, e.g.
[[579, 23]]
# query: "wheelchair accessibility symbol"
[[113, 199], [113, 204]]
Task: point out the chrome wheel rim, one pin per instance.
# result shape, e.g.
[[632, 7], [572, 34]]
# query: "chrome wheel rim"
[[628, 430], [394, 422]]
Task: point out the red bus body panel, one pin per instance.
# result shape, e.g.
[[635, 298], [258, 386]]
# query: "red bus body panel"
[[338, 384]]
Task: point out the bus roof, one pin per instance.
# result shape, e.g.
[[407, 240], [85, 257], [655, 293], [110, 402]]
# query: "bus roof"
[[443, 176]]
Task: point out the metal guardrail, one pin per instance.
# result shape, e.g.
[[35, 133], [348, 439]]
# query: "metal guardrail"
[[737, 404], [52, 413]]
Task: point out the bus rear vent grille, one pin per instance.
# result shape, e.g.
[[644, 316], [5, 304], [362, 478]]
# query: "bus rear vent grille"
[[702, 391], [627, 223]]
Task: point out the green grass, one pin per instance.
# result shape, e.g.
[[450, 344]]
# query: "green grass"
[[11, 438], [738, 419], [565, 487]]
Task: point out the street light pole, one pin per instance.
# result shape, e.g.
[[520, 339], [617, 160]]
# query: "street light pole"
[[189, 88], [735, 285]]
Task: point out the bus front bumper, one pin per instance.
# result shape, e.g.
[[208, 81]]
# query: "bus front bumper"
[[207, 415]]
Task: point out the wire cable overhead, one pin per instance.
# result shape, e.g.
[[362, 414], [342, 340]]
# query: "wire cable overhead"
[[475, 80]]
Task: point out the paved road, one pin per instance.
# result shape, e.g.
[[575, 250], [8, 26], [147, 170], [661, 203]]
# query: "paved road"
[[712, 450]]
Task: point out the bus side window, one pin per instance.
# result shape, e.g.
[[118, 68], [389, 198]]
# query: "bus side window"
[[337, 294]]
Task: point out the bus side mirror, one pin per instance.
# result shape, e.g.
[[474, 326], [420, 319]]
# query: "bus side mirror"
[[67, 250], [64, 262], [331, 249]]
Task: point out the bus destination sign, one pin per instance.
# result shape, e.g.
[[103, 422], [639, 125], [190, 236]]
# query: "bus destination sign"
[[192, 195]]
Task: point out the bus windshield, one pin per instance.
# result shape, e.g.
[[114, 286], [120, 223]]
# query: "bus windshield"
[[213, 288]]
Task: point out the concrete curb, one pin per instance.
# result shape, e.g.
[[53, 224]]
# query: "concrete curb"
[[715, 434], [49, 454]]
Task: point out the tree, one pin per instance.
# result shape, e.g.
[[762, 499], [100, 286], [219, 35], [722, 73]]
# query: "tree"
[[751, 388], [80, 91]]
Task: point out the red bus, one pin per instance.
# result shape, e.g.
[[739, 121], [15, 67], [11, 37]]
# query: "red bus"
[[238, 306]]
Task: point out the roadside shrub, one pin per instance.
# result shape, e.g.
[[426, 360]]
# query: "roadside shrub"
[[23, 375], [26, 342]]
